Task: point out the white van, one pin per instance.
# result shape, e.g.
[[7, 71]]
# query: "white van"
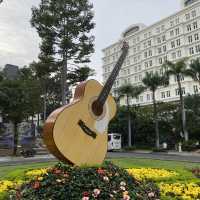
[[114, 141]]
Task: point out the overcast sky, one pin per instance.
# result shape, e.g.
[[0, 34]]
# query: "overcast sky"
[[19, 42]]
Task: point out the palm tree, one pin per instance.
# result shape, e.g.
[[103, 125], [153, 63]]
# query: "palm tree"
[[179, 69], [128, 91], [194, 70], [152, 82]]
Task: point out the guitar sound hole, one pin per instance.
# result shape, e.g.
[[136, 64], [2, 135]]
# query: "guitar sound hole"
[[97, 108]]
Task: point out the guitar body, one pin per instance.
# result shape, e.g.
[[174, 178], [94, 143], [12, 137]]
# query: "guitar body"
[[74, 134]]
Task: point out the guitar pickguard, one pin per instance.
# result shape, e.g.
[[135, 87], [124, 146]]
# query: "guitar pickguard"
[[102, 124]]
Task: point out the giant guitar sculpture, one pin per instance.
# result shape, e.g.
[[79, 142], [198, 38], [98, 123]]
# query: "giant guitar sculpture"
[[77, 133]]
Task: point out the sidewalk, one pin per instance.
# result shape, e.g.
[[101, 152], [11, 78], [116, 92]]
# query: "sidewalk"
[[9, 160], [185, 153]]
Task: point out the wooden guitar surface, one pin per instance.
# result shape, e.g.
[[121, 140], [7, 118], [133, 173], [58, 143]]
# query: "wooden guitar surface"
[[74, 134]]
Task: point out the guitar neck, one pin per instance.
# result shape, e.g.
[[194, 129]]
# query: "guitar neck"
[[110, 81]]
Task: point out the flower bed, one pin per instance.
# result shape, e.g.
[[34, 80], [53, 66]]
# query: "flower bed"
[[108, 182], [151, 174], [190, 191]]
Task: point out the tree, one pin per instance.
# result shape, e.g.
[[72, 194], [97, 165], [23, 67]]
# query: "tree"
[[194, 70], [64, 27], [178, 70], [152, 82], [42, 71], [19, 99], [80, 74], [128, 91]]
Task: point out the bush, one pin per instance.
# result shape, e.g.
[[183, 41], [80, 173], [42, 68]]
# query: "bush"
[[190, 145], [86, 183]]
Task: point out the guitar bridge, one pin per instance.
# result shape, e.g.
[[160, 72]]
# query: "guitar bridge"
[[87, 130]]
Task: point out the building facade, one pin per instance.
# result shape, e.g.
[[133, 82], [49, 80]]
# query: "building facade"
[[172, 38]]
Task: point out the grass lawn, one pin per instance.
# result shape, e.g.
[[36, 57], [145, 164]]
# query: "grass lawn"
[[183, 169]]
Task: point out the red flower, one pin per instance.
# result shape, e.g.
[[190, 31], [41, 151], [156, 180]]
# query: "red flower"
[[36, 185], [57, 171], [18, 195], [101, 171], [86, 194]]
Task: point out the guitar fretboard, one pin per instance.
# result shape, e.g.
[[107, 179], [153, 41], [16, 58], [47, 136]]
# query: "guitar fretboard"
[[110, 81]]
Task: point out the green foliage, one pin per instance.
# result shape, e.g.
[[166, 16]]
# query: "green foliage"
[[105, 182], [194, 70], [64, 28], [190, 145], [79, 74], [19, 99], [153, 81]]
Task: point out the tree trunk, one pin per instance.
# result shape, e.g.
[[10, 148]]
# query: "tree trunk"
[[15, 139], [182, 109], [156, 121], [129, 124], [45, 107], [63, 80]]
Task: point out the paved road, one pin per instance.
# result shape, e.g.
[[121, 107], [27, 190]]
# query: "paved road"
[[157, 156], [5, 161]]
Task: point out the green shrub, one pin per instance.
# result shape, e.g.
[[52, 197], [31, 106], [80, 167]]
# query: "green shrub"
[[82, 183], [190, 145]]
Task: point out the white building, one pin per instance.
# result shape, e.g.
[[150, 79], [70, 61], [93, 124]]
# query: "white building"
[[172, 38]]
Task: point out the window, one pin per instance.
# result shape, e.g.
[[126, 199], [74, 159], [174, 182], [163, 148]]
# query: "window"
[[165, 58], [173, 44], [179, 53], [171, 23], [150, 52], [182, 90], [177, 20], [197, 48], [148, 97], [162, 95], [160, 60], [195, 89], [190, 39], [178, 42], [145, 54], [189, 28], [150, 63], [163, 38], [191, 50], [177, 31], [195, 26], [149, 43], [164, 48], [196, 36], [168, 93], [146, 64], [159, 50]]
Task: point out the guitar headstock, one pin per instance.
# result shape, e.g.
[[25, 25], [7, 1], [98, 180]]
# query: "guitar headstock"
[[125, 45]]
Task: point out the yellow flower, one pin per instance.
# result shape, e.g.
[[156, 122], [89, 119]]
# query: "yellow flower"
[[36, 172], [186, 191], [150, 173]]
